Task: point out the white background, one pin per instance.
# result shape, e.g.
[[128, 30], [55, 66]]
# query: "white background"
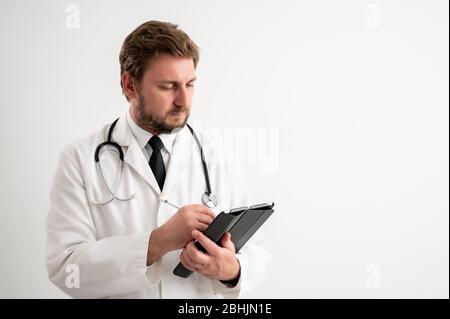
[[354, 93]]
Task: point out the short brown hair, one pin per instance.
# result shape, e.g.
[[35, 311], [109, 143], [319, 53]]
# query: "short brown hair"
[[149, 39]]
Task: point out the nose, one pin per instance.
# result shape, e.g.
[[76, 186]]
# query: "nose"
[[183, 97]]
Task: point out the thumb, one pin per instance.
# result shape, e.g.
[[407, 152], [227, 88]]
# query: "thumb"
[[227, 243]]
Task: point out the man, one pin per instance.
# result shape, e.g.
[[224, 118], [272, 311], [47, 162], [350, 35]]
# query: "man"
[[117, 237]]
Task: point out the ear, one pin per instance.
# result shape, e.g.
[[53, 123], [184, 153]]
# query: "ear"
[[129, 86]]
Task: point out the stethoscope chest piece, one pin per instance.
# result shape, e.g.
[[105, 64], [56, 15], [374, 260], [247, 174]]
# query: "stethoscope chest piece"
[[209, 199]]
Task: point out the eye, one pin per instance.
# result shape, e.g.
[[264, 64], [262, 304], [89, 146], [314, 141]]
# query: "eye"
[[167, 87], [190, 85]]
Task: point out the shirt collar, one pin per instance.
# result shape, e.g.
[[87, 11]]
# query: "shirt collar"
[[142, 136]]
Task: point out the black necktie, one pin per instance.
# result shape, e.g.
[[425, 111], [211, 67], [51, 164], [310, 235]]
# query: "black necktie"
[[156, 161]]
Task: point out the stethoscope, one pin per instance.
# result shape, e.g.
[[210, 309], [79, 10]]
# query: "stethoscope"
[[208, 198]]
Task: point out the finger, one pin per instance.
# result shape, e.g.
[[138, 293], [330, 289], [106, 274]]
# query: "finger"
[[196, 255], [192, 262], [227, 243], [204, 218], [201, 209], [208, 212], [194, 207], [207, 243], [201, 227], [186, 264]]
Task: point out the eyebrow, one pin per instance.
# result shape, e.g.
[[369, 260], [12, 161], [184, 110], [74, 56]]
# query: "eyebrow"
[[170, 82]]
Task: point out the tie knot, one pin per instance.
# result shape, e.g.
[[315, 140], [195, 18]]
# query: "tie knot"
[[155, 143]]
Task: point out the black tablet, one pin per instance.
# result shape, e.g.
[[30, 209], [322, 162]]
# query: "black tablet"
[[240, 222]]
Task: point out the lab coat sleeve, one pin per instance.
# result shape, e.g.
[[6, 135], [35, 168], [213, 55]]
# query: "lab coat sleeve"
[[78, 263], [254, 257]]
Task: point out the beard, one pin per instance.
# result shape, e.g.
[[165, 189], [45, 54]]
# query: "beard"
[[157, 124]]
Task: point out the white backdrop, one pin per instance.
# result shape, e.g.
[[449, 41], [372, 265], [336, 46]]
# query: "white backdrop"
[[343, 106]]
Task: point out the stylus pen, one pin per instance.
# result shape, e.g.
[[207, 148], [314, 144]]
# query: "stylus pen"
[[169, 203]]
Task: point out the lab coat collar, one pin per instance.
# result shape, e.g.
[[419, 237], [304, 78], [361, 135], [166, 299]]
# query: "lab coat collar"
[[122, 134], [136, 159]]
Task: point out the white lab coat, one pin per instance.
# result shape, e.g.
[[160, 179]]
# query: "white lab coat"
[[108, 244]]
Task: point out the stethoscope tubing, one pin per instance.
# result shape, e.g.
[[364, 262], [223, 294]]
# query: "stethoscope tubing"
[[208, 198]]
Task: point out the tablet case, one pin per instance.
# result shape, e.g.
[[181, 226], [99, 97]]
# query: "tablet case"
[[240, 222]]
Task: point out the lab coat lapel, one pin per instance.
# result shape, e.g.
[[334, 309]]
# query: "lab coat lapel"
[[136, 159], [133, 155], [174, 170], [181, 184]]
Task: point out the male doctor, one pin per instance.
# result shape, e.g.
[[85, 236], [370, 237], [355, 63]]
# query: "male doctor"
[[129, 248]]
